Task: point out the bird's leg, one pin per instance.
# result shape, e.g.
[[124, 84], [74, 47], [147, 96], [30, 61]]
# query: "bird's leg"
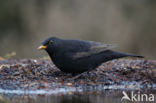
[[77, 75]]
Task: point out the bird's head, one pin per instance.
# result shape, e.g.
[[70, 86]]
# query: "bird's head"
[[49, 44]]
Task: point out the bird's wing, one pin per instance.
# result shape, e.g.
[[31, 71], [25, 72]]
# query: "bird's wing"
[[95, 48]]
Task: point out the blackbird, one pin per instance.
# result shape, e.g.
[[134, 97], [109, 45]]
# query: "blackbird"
[[77, 56]]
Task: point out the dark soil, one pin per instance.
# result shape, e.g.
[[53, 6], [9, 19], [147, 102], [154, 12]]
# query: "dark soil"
[[33, 74]]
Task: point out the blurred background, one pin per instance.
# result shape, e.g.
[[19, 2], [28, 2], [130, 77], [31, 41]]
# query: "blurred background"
[[24, 24]]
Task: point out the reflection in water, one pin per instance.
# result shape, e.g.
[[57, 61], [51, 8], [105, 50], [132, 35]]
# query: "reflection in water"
[[75, 99], [107, 96]]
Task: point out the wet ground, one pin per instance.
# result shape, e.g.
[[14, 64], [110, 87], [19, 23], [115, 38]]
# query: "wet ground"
[[32, 74], [34, 78]]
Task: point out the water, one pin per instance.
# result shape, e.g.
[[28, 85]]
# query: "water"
[[63, 96], [84, 94]]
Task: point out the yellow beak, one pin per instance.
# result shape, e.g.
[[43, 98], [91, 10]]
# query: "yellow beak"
[[42, 47]]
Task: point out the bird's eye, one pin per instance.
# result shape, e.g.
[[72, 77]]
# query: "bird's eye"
[[50, 42]]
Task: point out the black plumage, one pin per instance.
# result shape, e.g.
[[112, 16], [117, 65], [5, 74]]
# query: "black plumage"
[[76, 56]]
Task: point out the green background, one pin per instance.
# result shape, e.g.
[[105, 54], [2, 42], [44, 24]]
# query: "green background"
[[24, 24]]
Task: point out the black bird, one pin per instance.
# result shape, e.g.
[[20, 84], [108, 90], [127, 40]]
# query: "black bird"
[[77, 56]]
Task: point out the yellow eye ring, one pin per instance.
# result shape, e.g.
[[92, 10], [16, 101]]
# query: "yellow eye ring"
[[50, 42]]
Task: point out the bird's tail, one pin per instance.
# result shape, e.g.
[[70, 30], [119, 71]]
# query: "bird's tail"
[[110, 55], [120, 54]]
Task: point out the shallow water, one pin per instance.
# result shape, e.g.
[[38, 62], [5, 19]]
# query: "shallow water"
[[84, 94], [90, 96]]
